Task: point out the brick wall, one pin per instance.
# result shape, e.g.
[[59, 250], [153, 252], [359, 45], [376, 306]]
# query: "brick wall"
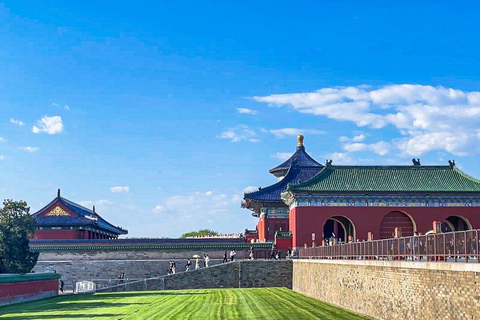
[[239, 274], [393, 290]]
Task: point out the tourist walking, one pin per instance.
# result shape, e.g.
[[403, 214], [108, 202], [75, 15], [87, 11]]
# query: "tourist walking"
[[174, 267], [121, 277], [225, 259], [232, 255], [415, 246], [197, 263], [62, 284], [251, 253], [187, 266], [204, 260], [207, 260]]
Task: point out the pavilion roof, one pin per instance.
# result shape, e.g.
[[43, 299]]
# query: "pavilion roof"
[[299, 159], [273, 192], [84, 216], [416, 178]]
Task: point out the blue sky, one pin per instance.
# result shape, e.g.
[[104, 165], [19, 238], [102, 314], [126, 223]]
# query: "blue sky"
[[161, 114]]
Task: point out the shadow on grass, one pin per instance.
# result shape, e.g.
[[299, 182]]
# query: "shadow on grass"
[[116, 295], [65, 316], [81, 302]]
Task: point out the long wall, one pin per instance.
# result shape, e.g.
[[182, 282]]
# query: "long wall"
[[393, 289], [239, 274], [104, 266]]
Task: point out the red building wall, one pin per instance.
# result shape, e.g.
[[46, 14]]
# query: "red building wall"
[[267, 226], [307, 220], [59, 234]]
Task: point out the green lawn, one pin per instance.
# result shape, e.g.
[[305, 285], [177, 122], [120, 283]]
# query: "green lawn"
[[255, 303]]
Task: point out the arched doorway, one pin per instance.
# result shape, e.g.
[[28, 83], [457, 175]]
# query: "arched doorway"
[[455, 223], [396, 219], [339, 226]]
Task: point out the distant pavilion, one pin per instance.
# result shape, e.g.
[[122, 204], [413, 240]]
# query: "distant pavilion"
[[64, 219]]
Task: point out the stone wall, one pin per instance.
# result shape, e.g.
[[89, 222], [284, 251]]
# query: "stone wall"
[[105, 272], [239, 274], [393, 289]]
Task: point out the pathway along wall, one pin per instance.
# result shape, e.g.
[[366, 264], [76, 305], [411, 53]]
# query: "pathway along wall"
[[238, 274], [393, 290]]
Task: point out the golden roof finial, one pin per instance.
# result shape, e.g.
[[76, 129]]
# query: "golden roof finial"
[[300, 141]]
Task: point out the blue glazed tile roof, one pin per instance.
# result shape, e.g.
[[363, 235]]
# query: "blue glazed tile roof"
[[299, 159], [273, 192], [63, 221], [78, 209]]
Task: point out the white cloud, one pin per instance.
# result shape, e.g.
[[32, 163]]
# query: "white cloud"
[[97, 203], [17, 122], [54, 104], [2, 140], [2, 157], [50, 125], [429, 118], [340, 158], [30, 149], [380, 148], [281, 133], [246, 111], [250, 189], [159, 209], [119, 189], [282, 156], [66, 107], [239, 133], [358, 138]]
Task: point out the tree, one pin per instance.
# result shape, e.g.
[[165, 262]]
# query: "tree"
[[16, 227], [200, 233]]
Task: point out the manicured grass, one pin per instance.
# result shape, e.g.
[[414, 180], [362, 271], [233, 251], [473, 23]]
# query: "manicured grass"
[[255, 303]]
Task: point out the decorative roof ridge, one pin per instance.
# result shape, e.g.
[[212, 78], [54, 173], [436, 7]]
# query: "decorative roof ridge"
[[419, 167]]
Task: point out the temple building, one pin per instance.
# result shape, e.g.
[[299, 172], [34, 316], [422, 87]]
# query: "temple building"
[[266, 203], [64, 219], [348, 202]]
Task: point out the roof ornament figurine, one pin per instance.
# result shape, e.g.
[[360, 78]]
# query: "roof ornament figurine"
[[58, 193], [329, 163], [416, 162], [451, 163]]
